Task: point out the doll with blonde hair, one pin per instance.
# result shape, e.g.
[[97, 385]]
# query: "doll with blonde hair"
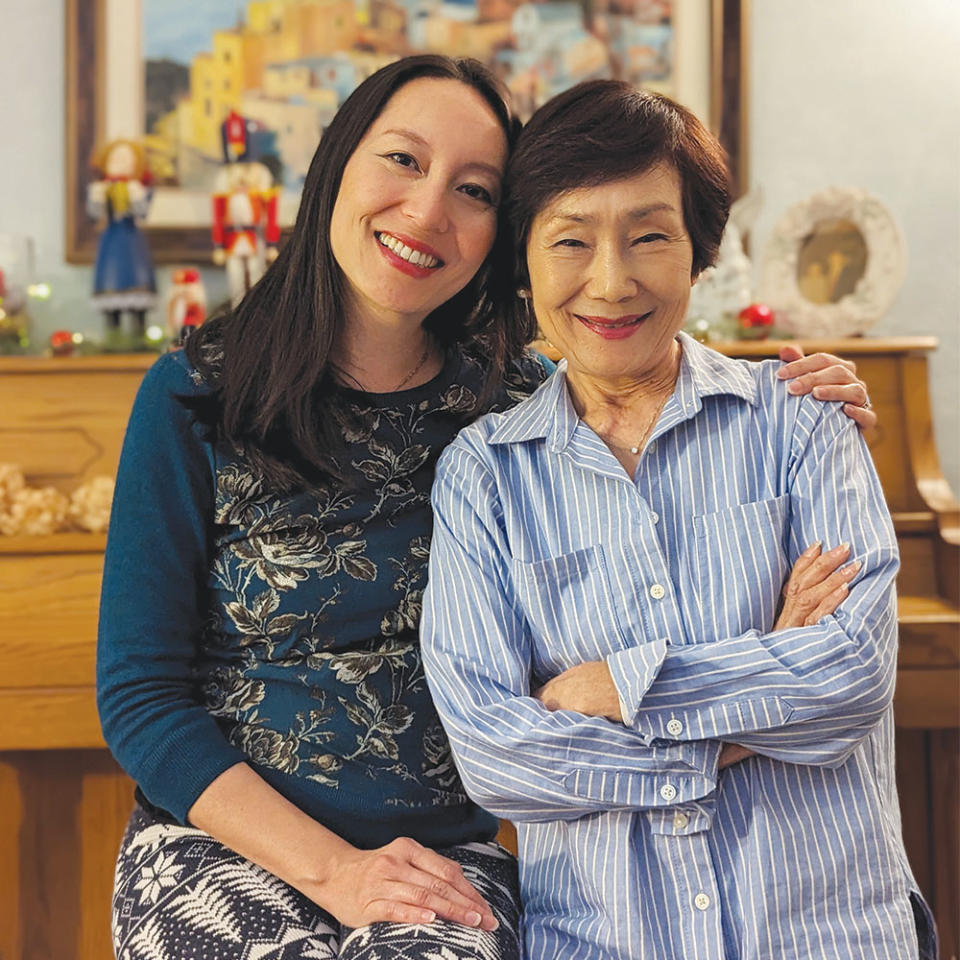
[[123, 277]]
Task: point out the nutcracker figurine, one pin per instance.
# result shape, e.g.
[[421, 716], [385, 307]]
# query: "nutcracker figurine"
[[123, 277], [245, 231], [187, 306]]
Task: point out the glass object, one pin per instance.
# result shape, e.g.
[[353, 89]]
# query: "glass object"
[[16, 286]]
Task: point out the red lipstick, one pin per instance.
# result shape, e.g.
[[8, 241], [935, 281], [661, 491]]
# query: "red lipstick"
[[405, 266], [614, 328]]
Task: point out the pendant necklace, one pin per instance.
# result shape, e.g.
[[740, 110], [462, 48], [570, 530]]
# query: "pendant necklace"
[[638, 446]]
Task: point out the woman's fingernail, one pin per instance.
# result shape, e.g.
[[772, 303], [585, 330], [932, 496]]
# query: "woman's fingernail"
[[782, 373], [794, 387], [853, 567], [473, 918], [427, 916], [840, 548], [814, 547]]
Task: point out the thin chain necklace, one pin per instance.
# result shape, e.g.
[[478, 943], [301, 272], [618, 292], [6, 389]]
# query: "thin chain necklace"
[[648, 427], [415, 370], [418, 366]]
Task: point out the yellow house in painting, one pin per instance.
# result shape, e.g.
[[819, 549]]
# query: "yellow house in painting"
[[274, 31]]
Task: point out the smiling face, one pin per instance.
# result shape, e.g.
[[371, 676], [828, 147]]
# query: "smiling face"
[[610, 275], [416, 212]]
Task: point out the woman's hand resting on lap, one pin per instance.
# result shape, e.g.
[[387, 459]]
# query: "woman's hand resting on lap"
[[402, 882]]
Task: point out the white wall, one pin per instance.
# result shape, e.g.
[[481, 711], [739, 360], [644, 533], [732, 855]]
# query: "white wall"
[[857, 92], [866, 93]]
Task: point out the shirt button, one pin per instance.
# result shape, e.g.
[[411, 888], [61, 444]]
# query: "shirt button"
[[680, 820], [657, 591], [674, 727], [652, 446], [701, 901], [654, 516], [668, 791]]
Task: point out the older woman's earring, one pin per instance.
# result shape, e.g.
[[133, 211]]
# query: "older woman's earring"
[[524, 294]]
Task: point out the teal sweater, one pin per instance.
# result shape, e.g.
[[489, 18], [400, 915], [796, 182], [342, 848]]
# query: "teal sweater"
[[237, 624]]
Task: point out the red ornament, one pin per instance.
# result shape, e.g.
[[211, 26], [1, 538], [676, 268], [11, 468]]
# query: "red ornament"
[[755, 321], [61, 343]]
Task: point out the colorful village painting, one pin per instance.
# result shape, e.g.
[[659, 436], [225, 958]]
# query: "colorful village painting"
[[285, 66]]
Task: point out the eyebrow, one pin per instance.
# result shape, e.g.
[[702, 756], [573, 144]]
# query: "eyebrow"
[[416, 138], [638, 213]]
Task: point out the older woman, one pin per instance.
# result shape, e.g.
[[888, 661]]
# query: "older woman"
[[608, 556]]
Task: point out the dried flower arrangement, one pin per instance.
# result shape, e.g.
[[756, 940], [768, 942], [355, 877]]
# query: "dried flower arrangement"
[[37, 511]]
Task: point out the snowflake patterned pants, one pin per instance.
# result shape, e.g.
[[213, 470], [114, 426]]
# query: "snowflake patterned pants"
[[181, 895]]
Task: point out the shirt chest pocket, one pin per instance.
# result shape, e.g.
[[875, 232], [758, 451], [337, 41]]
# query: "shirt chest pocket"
[[739, 565], [567, 603]]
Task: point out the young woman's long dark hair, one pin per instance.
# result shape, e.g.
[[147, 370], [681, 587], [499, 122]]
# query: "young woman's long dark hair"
[[269, 359]]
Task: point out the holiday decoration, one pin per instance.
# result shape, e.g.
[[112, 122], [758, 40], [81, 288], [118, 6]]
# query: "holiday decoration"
[[245, 231], [61, 343], [187, 305], [123, 277], [723, 290], [755, 322], [16, 276]]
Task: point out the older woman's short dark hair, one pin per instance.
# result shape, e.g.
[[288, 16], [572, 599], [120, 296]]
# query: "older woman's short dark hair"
[[606, 130]]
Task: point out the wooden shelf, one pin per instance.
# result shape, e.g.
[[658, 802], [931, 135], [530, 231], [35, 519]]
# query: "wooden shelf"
[[94, 364], [845, 347], [78, 542], [759, 349]]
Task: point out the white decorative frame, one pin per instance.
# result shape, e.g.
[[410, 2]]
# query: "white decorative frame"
[[875, 291]]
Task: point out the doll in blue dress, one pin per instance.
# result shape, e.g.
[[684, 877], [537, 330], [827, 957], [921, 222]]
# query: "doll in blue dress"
[[123, 278]]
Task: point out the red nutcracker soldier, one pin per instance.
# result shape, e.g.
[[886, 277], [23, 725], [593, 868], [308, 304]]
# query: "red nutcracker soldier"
[[245, 231]]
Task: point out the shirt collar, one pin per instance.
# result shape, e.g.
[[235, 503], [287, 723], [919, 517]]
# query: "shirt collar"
[[549, 414]]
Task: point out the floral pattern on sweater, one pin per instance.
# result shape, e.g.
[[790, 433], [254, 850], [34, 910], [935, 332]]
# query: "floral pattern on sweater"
[[310, 658]]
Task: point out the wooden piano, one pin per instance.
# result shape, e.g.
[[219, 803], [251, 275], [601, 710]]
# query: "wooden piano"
[[64, 802]]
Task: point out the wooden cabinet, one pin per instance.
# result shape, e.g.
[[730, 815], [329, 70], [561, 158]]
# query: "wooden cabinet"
[[64, 802]]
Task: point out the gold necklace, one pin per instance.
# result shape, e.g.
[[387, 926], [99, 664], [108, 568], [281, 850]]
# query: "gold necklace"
[[648, 427], [415, 370], [418, 366]]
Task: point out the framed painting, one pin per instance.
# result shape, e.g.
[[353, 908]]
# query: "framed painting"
[[170, 72]]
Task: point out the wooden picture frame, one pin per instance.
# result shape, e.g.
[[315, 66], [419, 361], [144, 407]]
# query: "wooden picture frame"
[[85, 91]]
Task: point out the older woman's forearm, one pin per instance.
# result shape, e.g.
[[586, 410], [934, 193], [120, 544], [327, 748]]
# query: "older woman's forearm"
[[805, 695], [518, 759], [522, 762]]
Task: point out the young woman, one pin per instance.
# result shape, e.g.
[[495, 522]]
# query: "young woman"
[[259, 669]]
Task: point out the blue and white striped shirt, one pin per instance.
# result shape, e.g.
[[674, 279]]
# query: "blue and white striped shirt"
[[632, 843]]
